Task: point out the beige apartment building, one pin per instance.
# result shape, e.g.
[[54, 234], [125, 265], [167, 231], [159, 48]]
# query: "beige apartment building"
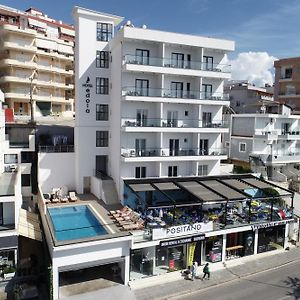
[[287, 82], [36, 63]]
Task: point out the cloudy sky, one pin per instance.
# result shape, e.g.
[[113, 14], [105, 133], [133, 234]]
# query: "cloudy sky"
[[263, 30]]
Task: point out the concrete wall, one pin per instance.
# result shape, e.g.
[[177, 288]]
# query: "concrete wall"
[[56, 170]]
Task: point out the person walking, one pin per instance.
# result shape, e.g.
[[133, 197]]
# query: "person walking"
[[206, 271], [194, 270]]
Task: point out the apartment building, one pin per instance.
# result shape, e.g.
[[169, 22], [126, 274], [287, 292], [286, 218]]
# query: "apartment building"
[[36, 63], [267, 142], [287, 87], [149, 103], [244, 96]]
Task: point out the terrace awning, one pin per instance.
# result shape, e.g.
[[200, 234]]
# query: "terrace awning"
[[164, 186], [29, 225], [143, 187]]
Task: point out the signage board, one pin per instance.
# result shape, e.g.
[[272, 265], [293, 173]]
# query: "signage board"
[[271, 224], [87, 85], [181, 230], [181, 241]]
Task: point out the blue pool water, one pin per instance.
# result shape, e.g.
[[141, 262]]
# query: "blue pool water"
[[74, 222]]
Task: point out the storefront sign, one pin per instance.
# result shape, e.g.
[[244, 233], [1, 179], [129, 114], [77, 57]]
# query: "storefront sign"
[[182, 241], [271, 224], [176, 231], [87, 85]]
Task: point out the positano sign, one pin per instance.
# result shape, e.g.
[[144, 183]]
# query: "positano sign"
[[87, 85]]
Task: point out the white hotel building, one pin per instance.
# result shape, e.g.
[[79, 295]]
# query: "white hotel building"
[[148, 103]]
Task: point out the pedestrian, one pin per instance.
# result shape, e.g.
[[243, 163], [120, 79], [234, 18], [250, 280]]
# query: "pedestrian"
[[206, 271], [194, 270]]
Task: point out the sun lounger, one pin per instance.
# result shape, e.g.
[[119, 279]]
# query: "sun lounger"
[[64, 200], [55, 200], [72, 197]]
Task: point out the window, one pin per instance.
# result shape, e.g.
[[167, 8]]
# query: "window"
[[288, 73], [101, 138], [102, 85], [238, 103], [186, 113], [102, 59], [142, 56], [208, 62], [27, 157], [104, 32], [177, 60], [176, 89], [140, 172], [25, 179], [172, 171], [202, 170], [242, 147], [102, 112], [207, 91], [142, 87], [227, 144], [10, 158], [68, 107]]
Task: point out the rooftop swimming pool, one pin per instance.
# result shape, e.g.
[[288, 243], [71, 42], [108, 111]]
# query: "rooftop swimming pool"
[[75, 222]]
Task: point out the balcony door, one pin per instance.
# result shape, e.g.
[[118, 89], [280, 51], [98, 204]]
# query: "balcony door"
[[172, 118], [176, 89], [177, 60], [101, 164], [203, 146], [142, 56], [142, 87], [208, 63], [206, 119], [207, 91], [141, 117], [173, 147], [140, 147]]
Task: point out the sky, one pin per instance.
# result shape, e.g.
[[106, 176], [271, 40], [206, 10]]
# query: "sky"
[[263, 30]]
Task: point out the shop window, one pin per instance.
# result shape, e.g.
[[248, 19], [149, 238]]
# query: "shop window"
[[141, 263], [270, 239], [213, 248]]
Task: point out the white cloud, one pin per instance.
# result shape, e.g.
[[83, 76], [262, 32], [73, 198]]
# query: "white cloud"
[[257, 67]]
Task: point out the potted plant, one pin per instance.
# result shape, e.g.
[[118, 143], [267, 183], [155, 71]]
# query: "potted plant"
[[9, 272]]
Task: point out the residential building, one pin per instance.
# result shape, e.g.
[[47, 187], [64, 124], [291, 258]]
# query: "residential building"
[[267, 142], [244, 96], [287, 86], [152, 101], [36, 63], [150, 199]]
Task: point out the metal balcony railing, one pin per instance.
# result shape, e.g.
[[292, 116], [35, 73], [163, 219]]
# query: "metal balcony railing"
[[169, 93], [176, 63], [57, 148]]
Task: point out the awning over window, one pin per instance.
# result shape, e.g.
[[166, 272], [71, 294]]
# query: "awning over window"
[[29, 225], [64, 49], [37, 23], [67, 31], [46, 44]]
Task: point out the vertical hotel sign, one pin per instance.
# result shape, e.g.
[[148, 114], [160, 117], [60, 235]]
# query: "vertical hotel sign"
[[87, 85]]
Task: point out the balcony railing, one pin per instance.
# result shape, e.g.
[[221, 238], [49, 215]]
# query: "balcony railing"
[[163, 152], [174, 63], [177, 123], [57, 148], [169, 93]]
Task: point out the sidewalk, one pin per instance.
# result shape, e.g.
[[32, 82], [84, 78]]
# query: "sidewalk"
[[234, 269]]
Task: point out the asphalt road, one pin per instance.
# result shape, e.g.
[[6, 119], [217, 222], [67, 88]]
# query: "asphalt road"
[[279, 284]]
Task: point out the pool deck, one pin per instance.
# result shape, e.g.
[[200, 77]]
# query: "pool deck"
[[101, 210]]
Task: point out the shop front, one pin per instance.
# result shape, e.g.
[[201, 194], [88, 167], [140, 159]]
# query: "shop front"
[[271, 238], [212, 249]]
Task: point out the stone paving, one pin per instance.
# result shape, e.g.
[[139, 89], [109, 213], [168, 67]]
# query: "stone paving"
[[232, 271]]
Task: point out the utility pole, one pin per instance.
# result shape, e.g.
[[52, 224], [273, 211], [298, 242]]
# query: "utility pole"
[[31, 101]]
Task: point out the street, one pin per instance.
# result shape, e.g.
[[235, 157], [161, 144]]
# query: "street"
[[279, 284]]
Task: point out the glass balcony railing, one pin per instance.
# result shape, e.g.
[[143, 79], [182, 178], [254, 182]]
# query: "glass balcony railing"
[[177, 123], [169, 93], [175, 63], [162, 152]]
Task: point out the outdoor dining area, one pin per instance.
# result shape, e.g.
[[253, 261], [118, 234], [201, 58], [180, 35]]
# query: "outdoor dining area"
[[60, 195], [227, 201]]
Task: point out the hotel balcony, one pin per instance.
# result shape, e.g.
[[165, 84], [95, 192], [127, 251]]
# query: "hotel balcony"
[[133, 124], [15, 28], [18, 63], [177, 67], [166, 154], [178, 96], [284, 156]]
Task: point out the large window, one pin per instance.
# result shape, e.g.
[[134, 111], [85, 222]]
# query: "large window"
[[104, 32], [102, 112], [177, 60], [142, 87], [140, 172], [102, 59], [208, 62], [10, 158], [102, 85], [142, 56], [101, 138]]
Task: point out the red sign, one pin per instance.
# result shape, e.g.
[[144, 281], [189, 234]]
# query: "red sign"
[[9, 115], [171, 264]]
